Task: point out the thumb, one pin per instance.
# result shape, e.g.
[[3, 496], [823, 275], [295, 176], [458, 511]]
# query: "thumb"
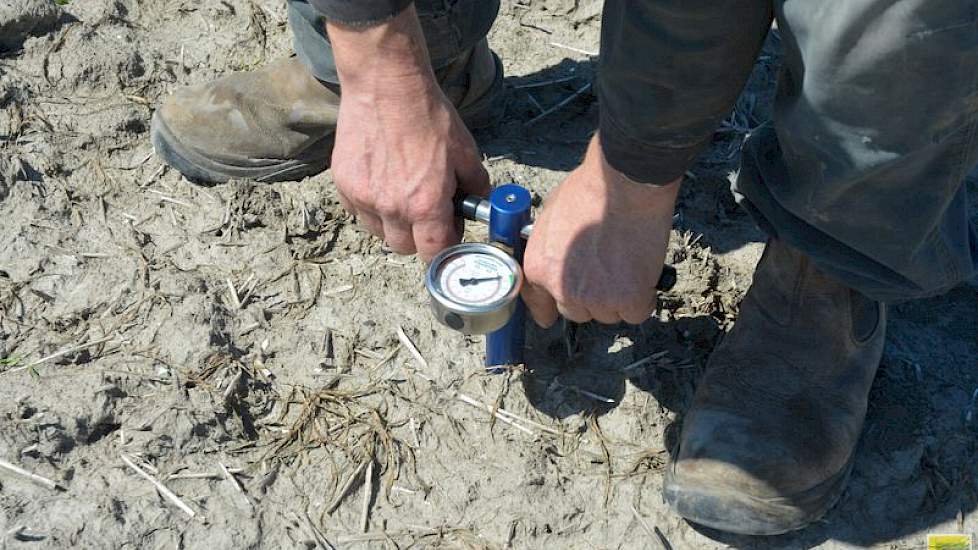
[[541, 304]]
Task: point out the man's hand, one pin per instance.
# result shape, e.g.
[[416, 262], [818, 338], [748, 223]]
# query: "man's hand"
[[597, 249], [401, 149]]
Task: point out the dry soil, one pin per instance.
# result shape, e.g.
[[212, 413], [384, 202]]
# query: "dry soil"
[[239, 343]]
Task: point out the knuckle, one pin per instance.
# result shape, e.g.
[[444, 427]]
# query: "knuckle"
[[541, 274], [387, 209], [560, 296], [531, 269], [426, 209], [573, 294], [358, 195]]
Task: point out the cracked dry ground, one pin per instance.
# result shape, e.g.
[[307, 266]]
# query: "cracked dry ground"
[[241, 344]]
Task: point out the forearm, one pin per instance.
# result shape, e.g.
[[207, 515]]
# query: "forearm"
[[384, 61]]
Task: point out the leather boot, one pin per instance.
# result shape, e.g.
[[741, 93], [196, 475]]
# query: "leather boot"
[[277, 123], [767, 445]]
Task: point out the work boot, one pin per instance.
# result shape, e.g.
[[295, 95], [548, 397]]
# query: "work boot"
[[277, 123], [767, 445]]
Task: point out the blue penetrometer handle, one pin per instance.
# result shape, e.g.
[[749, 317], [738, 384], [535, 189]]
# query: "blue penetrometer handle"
[[509, 212]]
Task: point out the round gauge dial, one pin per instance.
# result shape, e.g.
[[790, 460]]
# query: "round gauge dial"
[[474, 287], [475, 279]]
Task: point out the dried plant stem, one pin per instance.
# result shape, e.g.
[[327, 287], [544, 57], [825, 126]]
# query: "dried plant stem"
[[413, 350], [495, 412], [655, 536], [368, 493], [203, 475], [317, 534], [500, 414], [232, 386], [573, 49], [233, 292], [170, 200], [645, 361], [504, 412], [416, 532], [580, 91], [346, 487], [39, 480], [168, 494], [541, 83], [234, 482], [62, 353]]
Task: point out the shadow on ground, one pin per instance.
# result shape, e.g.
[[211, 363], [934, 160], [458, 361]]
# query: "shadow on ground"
[[914, 471], [557, 140], [586, 369], [914, 468]]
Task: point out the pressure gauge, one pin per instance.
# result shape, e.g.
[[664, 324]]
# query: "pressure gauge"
[[474, 287]]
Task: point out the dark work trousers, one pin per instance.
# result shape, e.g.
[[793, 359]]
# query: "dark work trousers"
[[875, 121], [451, 28]]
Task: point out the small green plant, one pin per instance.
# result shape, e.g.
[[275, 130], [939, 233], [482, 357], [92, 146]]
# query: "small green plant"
[[14, 361], [949, 542], [62, 2]]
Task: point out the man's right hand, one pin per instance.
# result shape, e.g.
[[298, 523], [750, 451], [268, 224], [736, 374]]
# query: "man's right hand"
[[401, 150], [598, 246]]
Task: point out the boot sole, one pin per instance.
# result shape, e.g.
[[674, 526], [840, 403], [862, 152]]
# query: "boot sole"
[[734, 512], [314, 159]]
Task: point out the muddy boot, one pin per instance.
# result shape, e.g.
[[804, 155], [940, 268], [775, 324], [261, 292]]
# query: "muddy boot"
[[277, 123], [768, 443]]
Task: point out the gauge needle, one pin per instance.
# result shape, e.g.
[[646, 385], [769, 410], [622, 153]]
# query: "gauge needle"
[[476, 280]]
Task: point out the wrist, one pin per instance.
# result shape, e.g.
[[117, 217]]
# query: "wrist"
[[624, 192], [385, 61]]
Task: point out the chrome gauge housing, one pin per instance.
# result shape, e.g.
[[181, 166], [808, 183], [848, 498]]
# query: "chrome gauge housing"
[[474, 287]]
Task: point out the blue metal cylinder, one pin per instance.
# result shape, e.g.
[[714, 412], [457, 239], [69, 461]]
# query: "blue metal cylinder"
[[510, 211]]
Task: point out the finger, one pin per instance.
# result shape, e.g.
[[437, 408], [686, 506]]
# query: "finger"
[[372, 222], [433, 236], [541, 304], [574, 312], [459, 226], [605, 316], [346, 203], [472, 175], [638, 314], [398, 236]]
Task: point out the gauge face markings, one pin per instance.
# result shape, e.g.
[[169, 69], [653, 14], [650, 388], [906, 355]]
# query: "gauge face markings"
[[475, 279]]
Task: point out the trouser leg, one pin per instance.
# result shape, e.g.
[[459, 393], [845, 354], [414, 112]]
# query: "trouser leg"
[[670, 71], [278, 122], [451, 29], [874, 131]]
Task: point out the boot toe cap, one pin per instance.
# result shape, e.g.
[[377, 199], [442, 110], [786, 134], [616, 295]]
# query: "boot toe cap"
[[726, 477]]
